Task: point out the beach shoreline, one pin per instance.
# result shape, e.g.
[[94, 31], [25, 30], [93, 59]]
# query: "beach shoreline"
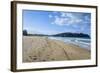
[[41, 49]]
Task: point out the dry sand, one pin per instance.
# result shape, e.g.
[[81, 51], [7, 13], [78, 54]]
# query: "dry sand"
[[40, 49]]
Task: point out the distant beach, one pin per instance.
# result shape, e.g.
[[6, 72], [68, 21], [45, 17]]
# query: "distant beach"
[[40, 49]]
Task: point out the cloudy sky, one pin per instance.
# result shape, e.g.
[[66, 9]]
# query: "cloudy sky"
[[51, 22]]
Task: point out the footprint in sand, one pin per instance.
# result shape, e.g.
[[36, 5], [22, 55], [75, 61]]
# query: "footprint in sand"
[[33, 58], [52, 59], [43, 60]]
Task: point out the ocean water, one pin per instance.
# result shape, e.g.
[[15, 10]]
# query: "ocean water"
[[82, 42]]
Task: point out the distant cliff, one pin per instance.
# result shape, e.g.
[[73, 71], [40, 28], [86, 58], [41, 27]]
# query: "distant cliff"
[[72, 35]]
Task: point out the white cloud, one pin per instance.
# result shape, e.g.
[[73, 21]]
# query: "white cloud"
[[75, 20], [61, 21], [87, 20], [50, 16], [66, 19], [63, 14]]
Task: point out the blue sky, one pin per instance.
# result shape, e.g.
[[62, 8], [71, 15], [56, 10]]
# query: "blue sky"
[[53, 22]]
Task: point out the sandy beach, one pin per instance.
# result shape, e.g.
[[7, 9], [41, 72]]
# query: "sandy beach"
[[40, 49]]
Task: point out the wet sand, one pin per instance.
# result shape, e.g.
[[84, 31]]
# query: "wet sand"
[[40, 49]]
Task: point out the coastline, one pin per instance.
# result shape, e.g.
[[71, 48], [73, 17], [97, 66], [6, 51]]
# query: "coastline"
[[40, 49]]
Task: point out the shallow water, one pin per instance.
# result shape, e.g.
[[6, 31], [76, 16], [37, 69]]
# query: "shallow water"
[[82, 42]]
